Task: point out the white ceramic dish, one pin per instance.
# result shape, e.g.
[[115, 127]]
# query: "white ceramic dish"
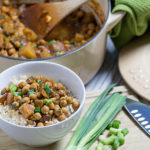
[[85, 60], [43, 135]]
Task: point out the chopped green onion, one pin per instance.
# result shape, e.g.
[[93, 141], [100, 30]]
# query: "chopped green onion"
[[113, 131], [37, 109], [47, 89], [20, 45], [59, 53], [2, 17], [72, 42], [116, 143], [107, 147], [99, 146], [20, 102], [13, 88], [109, 126], [52, 42], [5, 37], [121, 138], [17, 93], [110, 140], [47, 101], [39, 82], [34, 45], [125, 131], [116, 124], [31, 92], [96, 119], [13, 105]]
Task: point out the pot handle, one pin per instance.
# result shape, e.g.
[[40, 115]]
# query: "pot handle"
[[114, 19]]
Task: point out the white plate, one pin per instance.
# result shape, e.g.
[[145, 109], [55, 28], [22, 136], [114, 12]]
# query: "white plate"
[[134, 65]]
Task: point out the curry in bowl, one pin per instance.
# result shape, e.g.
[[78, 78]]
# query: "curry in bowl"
[[37, 101], [18, 41]]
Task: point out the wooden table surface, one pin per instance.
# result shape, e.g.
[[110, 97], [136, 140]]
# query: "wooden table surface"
[[109, 72]]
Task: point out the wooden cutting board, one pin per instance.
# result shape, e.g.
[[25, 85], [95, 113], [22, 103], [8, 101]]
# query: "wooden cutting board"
[[135, 140]]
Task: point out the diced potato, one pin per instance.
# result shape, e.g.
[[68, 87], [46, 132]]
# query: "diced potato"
[[9, 28], [30, 35], [27, 110], [28, 51], [58, 46], [39, 103]]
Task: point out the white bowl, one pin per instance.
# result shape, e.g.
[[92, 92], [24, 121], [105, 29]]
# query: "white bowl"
[[42, 136]]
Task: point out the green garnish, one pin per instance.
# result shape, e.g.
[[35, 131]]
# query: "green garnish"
[[34, 45], [13, 88], [39, 82], [47, 101], [59, 53], [5, 37], [13, 105], [72, 42], [52, 42], [47, 89], [116, 124], [20, 102], [20, 45], [116, 143], [31, 92], [17, 93], [37, 109], [125, 131], [2, 17]]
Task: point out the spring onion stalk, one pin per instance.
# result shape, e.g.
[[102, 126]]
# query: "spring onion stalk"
[[96, 119], [99, 146]]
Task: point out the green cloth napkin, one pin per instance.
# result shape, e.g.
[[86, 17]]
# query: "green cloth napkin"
[[135, 23]]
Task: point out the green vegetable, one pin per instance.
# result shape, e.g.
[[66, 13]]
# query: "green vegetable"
[[31, 92], [99, 146], [52, 42], [96, 119], [20, 102], [13, 88], [109, 126], [39, 82], [116, 124], [125, 131], [121, 138], [113, 131], [2, 17], [116, 143], [109, 140], [72, 42], [59, 53], [5, 37], [47, 89], [47, 101], [37, 109], [13, 105], [17, 93]]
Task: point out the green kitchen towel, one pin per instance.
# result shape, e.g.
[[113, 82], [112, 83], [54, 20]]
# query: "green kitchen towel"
[[135, 22]]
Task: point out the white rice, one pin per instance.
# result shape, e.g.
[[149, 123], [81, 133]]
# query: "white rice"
[[12, 116]]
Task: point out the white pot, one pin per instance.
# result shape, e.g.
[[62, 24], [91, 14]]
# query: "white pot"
[[87, 59]]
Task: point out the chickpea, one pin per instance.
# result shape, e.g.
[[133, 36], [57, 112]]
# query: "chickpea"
[[30, 122], [33, 96], [4, 53], [37, 116], [60, 86], [17, 98], [51, 106], [11, 51], [63, 98], [3, 91], [62, 117], [45, 109], [40, 124], [15, 55], [51, 112], [63, 103], [48, 18], [57, 110], [64, 110], [41, 41], [25, 89], [34, 86], [66, 42], [16, 104], [17, 44], [61, 92], [75, 104], [69, 100], [22, 84], [39, 95], [39, 103], [26, 100]]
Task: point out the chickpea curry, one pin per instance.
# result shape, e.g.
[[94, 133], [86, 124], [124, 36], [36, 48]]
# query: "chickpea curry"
[[40, 100], [18, 41]]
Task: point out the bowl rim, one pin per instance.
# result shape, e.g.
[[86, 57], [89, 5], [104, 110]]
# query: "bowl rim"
[[69, 52], [58, 65]]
